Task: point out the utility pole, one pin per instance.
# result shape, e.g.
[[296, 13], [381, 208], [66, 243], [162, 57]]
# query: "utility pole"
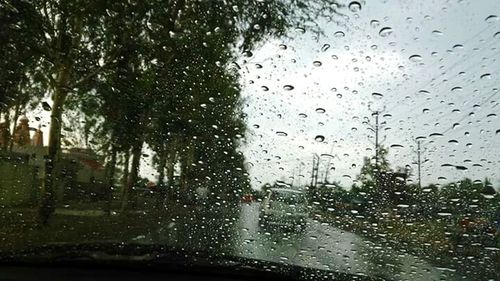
[[299, 174], [328, 165], [419, 163], [314, 174], [376, 129], [317, 172], [376, 113]]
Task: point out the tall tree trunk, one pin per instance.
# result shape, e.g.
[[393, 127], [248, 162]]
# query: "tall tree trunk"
[[170, 166], [186, 161], [160, 186], [130, 196], [14, 121], [126, 167], [7, 133], [48, 204], [110, 179]]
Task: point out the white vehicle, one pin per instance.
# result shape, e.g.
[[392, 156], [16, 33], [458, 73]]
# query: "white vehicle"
[[284, 207]]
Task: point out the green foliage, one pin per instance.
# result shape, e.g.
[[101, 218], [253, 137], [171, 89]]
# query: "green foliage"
[[145, 71], [467, 198]]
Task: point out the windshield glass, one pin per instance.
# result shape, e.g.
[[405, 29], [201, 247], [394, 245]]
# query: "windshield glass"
[[288, 197], [169, 122]]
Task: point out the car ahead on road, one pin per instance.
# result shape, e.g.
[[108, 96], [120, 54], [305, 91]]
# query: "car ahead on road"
[[284, 207], [247, 198]]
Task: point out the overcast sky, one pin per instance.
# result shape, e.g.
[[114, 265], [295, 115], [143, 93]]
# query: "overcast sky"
[[437, 63]]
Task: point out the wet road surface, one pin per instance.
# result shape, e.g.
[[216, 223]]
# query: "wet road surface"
[[319, 245]]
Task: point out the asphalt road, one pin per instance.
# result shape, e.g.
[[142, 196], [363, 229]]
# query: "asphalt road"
[[319, 245]]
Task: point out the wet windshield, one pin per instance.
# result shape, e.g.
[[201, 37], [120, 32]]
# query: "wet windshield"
[[174, 123], [288, 197]]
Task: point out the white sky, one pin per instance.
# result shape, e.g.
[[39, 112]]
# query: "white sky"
[[367, 63]]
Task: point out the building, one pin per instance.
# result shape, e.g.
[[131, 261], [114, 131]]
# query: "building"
[[80, 173]]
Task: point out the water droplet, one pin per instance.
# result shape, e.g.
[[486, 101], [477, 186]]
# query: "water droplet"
[[325, 47], [339, 34], [300, 30], [425, 110], [461, 168], [491, 19], [247, 54], [256, 126], [437, 33], [236, 65], [415, 58], [496, 35], [453, 141], [385, 31], [302, 115], [485, 76], [377, 95], [258, 65], [458, 46], [317, 63], [374, 23], [319, 138], [46, 106], [491, 115], [456, 89], [335, 57], [264, 88], [355, 6], [320, 110], [396, 145], [436, 135], [283, 46], [288, 87], [281, 134]]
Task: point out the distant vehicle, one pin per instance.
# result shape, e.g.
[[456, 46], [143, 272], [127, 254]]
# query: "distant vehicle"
[[479, 230], [247, 198], [284, 207]]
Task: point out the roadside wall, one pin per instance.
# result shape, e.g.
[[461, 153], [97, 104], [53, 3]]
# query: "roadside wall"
[[18, 182]]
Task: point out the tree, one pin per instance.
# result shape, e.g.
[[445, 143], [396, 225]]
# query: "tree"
[[78, 41], [368, 192], [468, 198], [18, 81]]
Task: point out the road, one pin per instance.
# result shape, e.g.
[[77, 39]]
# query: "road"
[[319, 245]]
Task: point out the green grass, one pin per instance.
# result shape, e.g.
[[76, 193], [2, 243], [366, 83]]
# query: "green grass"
[[427, 235], [19, 230]]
